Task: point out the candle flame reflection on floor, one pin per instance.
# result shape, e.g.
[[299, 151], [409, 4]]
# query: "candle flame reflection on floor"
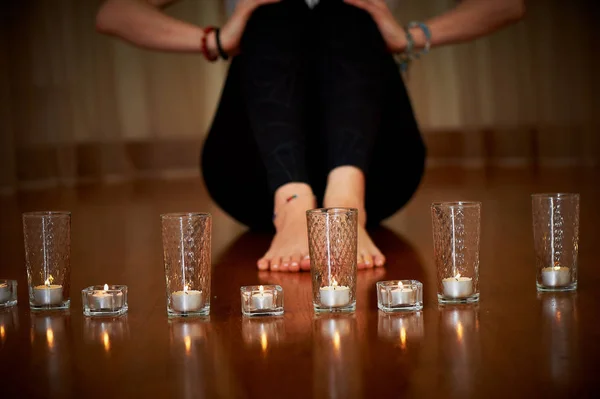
[[2, 332], [263, 341], [459, 331], [50, 337], [336, 341], [188, 344], [403, 338], [106, 341]]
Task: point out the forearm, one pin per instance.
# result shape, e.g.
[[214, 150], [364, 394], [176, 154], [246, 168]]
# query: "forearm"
[[145, 25], [470, 20]]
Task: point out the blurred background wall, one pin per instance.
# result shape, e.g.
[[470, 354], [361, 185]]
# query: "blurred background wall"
[[78, 107]]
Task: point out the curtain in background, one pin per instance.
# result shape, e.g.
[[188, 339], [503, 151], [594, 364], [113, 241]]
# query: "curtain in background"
[[76, 106]]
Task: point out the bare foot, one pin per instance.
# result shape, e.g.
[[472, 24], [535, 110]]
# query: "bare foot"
[[289, 248], [346, 188]]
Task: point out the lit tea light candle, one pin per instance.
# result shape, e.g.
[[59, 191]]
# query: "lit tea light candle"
[[5, 293], [186, 300], [556, 276], [401, 295], [105, 299], [48, 294], [262, 299], [458, 287], [334, 295]]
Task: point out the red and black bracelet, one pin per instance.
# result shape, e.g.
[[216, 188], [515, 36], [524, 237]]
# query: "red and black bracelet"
[[207, 55]]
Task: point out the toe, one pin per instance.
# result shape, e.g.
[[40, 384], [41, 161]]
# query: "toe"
[[276, 263], [379, 260], [285, 264], [368, 259], [263, 263], [305, 263], [295, 263], [360, 262]]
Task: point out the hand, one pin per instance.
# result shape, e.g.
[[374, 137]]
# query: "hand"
[[391, 31], [231, 33]]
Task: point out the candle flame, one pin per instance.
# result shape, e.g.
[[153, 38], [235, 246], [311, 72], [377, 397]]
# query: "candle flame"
[[188, 344], [105, 287], [459, 331], [106, 341], [50, 337], [457, 276], [2, 332], [261, 290], [186, 288], [400, 285], [49, 281], [263, 341], [334, 283], [336, 340], [403, 338]]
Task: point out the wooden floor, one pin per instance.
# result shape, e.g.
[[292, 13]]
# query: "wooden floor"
[[514, 343]]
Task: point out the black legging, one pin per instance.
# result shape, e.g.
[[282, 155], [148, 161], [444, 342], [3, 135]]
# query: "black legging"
[[312, 90]]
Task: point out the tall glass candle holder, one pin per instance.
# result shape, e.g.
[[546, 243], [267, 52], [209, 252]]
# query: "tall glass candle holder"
[[186, 244], [556, 240], [456, 230], [332, 235], [48, 259]]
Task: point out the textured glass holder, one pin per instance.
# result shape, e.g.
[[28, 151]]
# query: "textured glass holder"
[[556, 240], [456, 230], [48, 259], [8, 293], [332, 235], [262, 300], [106, 300], [186, 245], [399, 295]]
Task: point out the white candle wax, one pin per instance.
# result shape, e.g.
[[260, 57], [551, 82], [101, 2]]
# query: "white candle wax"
[[335, 296], [186, 301], [261, 299], [105, 300], [48, 294], [556, 276], [401, 295], [458, 287], [5, 293]]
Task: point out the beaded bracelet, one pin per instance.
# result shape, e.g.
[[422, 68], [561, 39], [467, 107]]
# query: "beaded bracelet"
[[426, 32], [207, 55], [222, 52], [404, 59]]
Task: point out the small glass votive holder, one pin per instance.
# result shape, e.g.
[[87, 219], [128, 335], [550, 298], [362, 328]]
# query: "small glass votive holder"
[[8, 293], [262, 300], [47, 237], [332, 242], [399, 295], [556, 240], [186, 241], [107, 300], [456, 231]]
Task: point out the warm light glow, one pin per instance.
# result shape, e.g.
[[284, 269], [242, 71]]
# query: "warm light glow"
[[403, 338], [263, 341], [261, 290], [106, 341], [457, 276], [459, 331], [50, 337], [558, 316], [400, 285], [186, 288], [336, 340], [49, 281], [105, 287], [2, 332], [188, 344], [334, 283]]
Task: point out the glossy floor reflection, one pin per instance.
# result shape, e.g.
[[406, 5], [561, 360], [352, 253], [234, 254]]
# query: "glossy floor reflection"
[[514, 343]]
